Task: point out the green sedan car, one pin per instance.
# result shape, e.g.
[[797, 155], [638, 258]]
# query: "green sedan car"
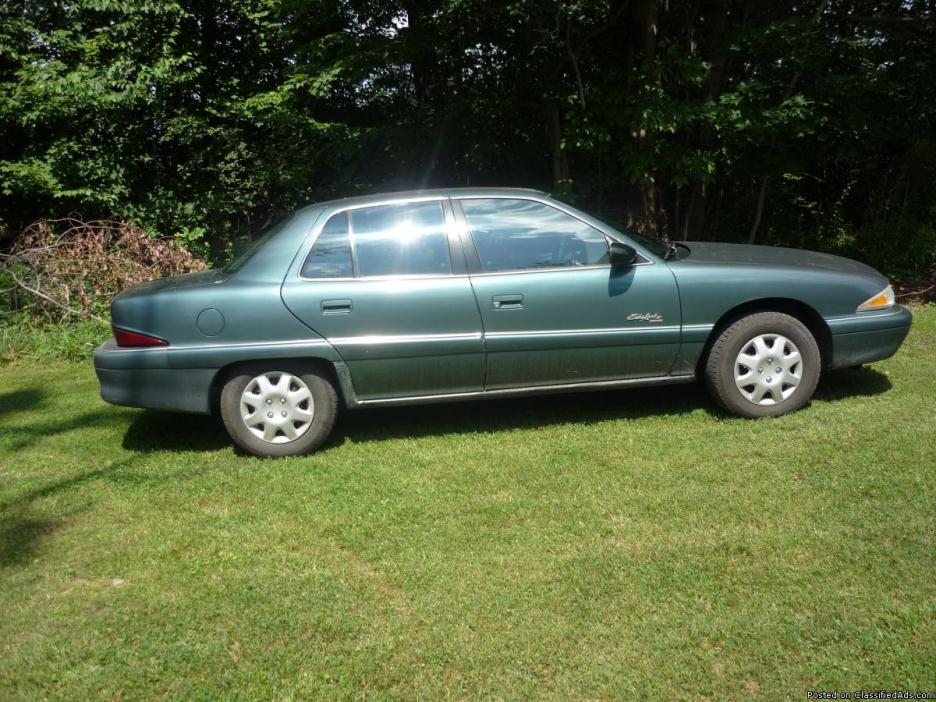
[[461, 294]]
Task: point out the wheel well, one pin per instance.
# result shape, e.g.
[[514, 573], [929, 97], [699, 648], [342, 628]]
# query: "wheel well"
[[327, 368], [796, 309]]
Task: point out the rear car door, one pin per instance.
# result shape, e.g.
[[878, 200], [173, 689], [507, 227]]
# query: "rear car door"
[[554, 311], [380, 283]]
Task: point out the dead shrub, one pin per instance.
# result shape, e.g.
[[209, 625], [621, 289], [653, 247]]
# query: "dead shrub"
[[66, 267]]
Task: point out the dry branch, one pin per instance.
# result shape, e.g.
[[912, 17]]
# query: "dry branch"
[[68, 267]]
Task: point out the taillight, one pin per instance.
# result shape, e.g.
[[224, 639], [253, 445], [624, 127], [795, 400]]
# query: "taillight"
[[135, 339]]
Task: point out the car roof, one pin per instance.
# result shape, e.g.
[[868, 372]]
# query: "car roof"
[[435, 192]]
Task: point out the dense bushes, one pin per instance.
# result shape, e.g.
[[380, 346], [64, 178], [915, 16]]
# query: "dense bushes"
[[806, 124]]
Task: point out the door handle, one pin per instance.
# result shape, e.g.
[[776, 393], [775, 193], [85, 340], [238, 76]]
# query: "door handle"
[[336, 306], [507, 302]]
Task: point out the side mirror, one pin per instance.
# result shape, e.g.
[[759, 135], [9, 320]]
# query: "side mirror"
[[621, 255]]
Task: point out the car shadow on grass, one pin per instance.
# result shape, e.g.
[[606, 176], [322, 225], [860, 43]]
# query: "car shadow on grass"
[[164, 431], [153, 430], [520, 413], [851, 382]]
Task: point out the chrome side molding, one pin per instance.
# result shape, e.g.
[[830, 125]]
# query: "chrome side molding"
[[354, 402]]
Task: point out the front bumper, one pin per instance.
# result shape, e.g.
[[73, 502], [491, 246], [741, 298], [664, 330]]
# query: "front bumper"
[[865, 337], [142, 378]]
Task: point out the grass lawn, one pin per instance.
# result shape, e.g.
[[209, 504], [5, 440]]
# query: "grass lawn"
[[579, 546]]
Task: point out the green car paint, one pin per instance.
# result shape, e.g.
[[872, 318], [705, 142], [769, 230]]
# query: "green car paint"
[[469, 332]]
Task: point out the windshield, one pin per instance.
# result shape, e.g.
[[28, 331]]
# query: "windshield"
[[253, 247]]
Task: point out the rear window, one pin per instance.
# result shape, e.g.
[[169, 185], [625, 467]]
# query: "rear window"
[[252, 248]]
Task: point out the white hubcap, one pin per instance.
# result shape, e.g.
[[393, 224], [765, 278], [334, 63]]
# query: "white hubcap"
[[277, 407], [768, 369]]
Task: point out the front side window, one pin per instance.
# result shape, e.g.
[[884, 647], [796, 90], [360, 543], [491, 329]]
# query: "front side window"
[[330, 256], [522, 234], [408, 239]]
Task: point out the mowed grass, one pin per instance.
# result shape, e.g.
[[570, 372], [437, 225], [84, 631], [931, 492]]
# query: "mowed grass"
[[581, 546]]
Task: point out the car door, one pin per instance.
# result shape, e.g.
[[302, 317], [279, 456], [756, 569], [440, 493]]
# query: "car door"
[[553, 309], [381, 285]]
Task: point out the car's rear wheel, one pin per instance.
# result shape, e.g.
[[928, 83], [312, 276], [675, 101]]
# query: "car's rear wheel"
[[278, 410], [763, 365]]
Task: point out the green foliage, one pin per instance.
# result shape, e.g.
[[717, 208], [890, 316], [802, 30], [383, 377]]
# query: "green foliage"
[[193, 240], [207, 121], [23, 338]]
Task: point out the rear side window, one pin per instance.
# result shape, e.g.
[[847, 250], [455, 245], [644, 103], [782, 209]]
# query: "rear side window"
[[409, 239], [513, 235], [330, 257], [405, 239]]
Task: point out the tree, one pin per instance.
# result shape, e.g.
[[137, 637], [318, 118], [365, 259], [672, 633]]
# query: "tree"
[[799, 123]]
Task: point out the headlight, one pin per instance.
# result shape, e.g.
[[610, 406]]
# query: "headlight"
[[882, 300]]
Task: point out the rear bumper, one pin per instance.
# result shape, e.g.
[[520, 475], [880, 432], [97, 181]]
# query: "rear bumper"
[[868, 336], [142, 378]]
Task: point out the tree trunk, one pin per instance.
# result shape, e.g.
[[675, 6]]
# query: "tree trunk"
[[758, 210], [648, 16], [717, 53], [787, 94], [647, 12], [420, 68], [560, 161]]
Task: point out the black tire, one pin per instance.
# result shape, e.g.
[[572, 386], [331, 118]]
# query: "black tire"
[[720, 366], [324, 410]]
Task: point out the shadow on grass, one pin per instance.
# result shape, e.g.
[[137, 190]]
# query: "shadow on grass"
[[20, 538], [19, 401], [21, 534], [58, 486], [851, 382], [520, 413], [161, 431], [152, 430], [24, 437], [167, 431]]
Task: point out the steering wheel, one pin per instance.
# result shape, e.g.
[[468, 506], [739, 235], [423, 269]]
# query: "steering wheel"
[[572, 252]]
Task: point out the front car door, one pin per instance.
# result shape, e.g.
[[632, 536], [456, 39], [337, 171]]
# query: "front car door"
[[380, 283], [553, 309]]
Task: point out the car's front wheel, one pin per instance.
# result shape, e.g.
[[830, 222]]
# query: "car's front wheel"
[[763, 365], [280, 410]]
